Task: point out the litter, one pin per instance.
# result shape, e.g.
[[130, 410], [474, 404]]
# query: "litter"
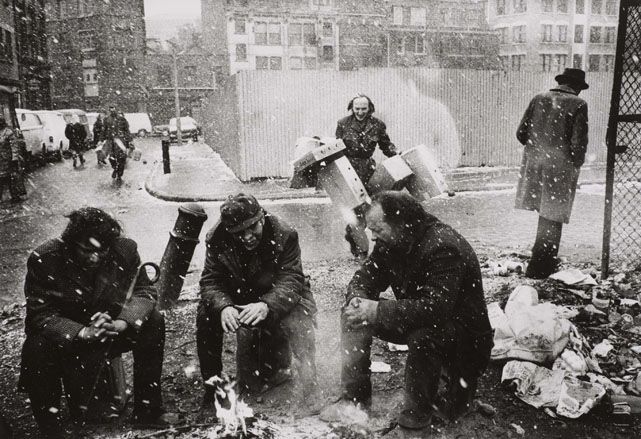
[[578, 397], [380, 367], [534, 385], [393, 347], [603, 349], [573, 276]]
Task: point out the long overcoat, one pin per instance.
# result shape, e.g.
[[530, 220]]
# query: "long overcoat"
[[8, 151], [273, 274], [554, 130]]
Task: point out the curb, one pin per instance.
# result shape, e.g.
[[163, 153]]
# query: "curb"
[[457, 181]]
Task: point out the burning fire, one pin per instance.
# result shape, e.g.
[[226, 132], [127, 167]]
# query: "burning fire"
[[230, 411]]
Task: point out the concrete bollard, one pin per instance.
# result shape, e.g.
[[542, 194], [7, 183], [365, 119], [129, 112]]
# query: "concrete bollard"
[[179, 251]]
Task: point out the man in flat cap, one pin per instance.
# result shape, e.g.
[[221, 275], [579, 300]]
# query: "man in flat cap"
[[253, 285], [554, 131]]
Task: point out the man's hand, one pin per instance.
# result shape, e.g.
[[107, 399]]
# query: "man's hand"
[[253, 313], [360, 312], [229, 319], [114, 328]]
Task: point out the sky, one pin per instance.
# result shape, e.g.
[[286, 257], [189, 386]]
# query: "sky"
[[189, 9]]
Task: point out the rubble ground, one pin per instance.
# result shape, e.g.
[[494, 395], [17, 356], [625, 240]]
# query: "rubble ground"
[[182, 386]]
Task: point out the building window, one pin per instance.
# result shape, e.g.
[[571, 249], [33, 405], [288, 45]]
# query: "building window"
[[562, 33], [309, 62], [608, 63], [300, 34], [90, 78], [518, 34], [595, 34], [546, 62], [577, 61], [328, 29], [593, 63], [610, 34], [546, 33], [596, 6], [239, 26], [86, 38], [397, 12], [241, 52], [328, 53], [6, 46], [518, 61], [547, 5], [418, 16], [267, 34], [520, 6], [562, 6], [578, 33], [611, 7], [84, 7], [500, 7], [504, 35], [319, 3], [560, 61], [580, 6], [295, 63], [269, 63], [505, 62]]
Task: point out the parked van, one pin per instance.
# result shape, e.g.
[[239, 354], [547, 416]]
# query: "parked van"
[[33, 131], [54, 130], [75, 115], [139, 124]]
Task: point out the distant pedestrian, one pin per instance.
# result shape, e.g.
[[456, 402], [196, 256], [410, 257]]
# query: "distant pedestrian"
[[554, 130], [115, 131], [361, 132], [76, 134], [11, 174]]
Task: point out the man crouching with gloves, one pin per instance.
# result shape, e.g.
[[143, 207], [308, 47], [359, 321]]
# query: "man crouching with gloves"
[[253, 285], [439, 312]]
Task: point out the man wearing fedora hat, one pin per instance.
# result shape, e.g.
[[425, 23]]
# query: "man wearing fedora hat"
[[554, 131], [253, 285]]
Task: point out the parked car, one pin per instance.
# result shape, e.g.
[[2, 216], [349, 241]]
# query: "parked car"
[[33, 132], [188, 128], [139, 124], [54, 126], [159, 129], [74, 115]]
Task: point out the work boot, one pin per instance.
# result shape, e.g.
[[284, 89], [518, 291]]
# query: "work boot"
[[114, 174], [280, 377], [82, 160], [157, 418], [74, 162], [414, 419]]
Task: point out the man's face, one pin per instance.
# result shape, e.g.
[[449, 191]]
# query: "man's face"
[[251, 236], [90, 253], [382, 232], [112, 111], [360, 108]]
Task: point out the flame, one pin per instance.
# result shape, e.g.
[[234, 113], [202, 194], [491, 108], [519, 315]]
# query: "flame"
[[230, 411]]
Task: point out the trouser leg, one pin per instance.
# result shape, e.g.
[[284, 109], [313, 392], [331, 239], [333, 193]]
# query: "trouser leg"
[[298, 326], [249, 358], [147, 346], [356, 236], [4, 182], [41, 372], [209, 341], [545, 249], [355, 353]]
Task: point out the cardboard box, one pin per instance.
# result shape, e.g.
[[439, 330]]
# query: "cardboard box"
[[342, 184], [391, 174], [427, 178], [310, 150]]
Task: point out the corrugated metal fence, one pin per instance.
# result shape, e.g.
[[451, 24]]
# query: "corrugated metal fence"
[[469, 116]]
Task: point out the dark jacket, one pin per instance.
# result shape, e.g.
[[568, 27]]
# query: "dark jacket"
[[274, 274], [360, 143], [76, 134], [61, 301], [554, 130], [8, 151], [437, 282], [115, 127]]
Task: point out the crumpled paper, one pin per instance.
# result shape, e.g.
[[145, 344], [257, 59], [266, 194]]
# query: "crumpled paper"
[[573, 276]]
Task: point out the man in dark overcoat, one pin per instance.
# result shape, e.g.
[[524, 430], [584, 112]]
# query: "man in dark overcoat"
[[78, 315], [439, 312], [10, 161], [554, 131], [115, 126], [361, 132], [76, 134], [253, 285]]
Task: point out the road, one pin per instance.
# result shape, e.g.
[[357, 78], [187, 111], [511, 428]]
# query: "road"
[[487, 219]]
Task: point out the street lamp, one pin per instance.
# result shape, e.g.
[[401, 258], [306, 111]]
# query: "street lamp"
[[174, 54]]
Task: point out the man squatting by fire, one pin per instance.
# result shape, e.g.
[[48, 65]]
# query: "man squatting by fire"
[[253, 284], [439, 312]]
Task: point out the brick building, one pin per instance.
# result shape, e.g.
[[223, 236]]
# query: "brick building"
[[549, 35], [196, 77], [97, 52], [345, 35], [31, 50], [9, 78]]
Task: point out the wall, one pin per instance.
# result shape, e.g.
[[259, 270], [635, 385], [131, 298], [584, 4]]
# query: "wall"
[[468, 116]]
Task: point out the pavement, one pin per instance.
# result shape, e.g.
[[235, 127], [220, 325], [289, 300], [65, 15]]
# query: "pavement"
[[198, 173]]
